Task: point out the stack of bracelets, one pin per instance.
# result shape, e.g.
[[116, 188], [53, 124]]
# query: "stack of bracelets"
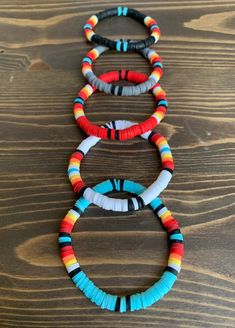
[[121, 130]]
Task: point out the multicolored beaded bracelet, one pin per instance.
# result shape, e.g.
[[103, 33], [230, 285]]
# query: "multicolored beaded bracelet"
[[122, 45], [122, 205], [105, 300], [109, 88], [128, 133]]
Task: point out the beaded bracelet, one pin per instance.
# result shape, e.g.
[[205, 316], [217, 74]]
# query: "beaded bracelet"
[[128, 133], [122, 205], [105, 300], [122, 45], [109, 88]]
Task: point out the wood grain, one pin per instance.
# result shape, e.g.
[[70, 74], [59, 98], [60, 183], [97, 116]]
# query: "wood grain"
[[41, 49]]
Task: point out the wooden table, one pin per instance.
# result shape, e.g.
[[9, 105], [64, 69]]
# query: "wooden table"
[[42, 45]]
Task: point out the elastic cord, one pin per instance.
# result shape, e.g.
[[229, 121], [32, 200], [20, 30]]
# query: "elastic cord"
[[127, 133]]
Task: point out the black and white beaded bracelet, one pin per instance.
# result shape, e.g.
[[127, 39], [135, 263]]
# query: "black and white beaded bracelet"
[[114, 204]]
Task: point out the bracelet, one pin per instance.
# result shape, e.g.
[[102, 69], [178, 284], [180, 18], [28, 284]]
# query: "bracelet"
[[122, 205], [128, 133], [105, 300], [87, 71], [122, 45]]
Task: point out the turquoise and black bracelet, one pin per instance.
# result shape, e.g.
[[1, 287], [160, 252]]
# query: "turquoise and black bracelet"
[[135, 301]]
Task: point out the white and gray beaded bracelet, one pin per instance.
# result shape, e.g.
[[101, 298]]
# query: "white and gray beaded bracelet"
[[110, 88], [122, 205]]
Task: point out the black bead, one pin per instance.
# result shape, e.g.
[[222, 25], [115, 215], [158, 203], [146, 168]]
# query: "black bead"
[[114, 124], [113, 184], [120, 91], [64, 234], [66, 243], [157, 103], [81, 192], [80, 151], [169, 170], [131, 206], [126, 74], [74, 272], [116, 134], [117, 305], [113, 89], [150, 136], [172, 270], [121, 184], [157, 209], [109, 133], [77, 209], [140, 202], [128, 301], [176, 241], [173, 232]]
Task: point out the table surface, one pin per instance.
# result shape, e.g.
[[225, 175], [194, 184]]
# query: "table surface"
[[42, 45]]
